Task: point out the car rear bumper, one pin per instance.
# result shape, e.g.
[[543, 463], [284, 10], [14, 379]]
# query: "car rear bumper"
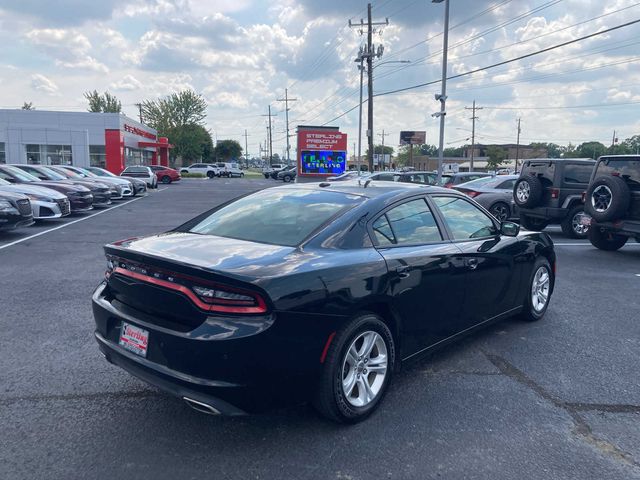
[[234, 364], [629, 228]]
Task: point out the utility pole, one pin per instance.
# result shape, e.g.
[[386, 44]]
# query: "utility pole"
[[517, 146], [383, 135], [442, 97], [286, 101], [360, 59], [270, 137], [473, 132], [139, 105], [354, 151], [369, 53], [246, 150]]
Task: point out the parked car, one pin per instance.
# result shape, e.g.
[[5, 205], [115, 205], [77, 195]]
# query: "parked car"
[[46, 203], [143, 173], [15, 211], [422, 178], [206, 169], [288, 174], [550, 190], [165, 174], [230, 170], [139, 186], [316, 291], [80, 197], [102, 192], [613, 201], [124, 188], [452, 179], [350, 175], [493, 193], [269, 169]]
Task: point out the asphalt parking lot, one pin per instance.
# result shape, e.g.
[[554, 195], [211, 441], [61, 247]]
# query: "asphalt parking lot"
[[552, 400]]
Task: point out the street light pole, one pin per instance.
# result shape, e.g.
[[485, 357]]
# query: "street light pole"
[[443, 95]]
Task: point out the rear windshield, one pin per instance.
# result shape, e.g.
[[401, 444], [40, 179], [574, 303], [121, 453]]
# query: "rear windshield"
[[276, 216], [629, 169]]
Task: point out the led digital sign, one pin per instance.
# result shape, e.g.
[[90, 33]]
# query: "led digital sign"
[[321, 151], [323, 162]]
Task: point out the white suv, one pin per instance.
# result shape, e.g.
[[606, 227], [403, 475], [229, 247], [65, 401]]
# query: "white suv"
[[141, 172], [206, 169]]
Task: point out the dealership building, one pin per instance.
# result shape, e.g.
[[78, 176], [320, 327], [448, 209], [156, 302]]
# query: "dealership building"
[[109, 140]]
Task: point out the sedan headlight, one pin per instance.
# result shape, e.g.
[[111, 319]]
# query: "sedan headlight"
[[6, 206], [40, 198]]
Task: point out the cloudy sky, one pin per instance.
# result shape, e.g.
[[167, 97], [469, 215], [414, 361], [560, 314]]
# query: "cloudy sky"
[[242, 54]]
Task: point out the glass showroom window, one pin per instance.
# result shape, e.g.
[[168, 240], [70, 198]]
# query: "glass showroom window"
[[147, 157], [58, 155], [97, 156], [3, 157], [132, 156], [33, 154]]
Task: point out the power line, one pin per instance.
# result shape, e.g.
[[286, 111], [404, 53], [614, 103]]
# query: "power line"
[[562, 107]]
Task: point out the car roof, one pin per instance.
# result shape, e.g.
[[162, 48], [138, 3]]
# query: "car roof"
[[368, 189], [572, 160]]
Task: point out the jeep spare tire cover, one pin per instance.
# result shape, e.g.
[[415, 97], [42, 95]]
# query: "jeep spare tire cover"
[[607, 198], [527, 192]]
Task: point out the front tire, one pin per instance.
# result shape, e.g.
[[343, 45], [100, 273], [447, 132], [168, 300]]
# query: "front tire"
[[571, 226], [166, 179], [210, 175], [286, 178], [533, 224], [605, 240], [357, 370], [539, 290]]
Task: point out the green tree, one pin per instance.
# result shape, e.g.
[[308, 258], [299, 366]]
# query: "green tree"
[[453, 152], [429, 150], [28, 106], [497, 156], [590, 150], [632, 144], [191, 143], [176, 110], [553, 149], [387, 150], [229, 149], [105, 103]]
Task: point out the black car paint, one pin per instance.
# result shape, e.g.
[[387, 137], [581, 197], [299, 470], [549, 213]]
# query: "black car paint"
[[16, 218], [249, 361]]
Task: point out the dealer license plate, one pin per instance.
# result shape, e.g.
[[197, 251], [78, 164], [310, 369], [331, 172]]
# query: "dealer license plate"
[[134, 339]]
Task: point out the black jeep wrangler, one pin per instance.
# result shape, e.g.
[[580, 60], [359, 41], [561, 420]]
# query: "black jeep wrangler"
[[550, 190], [613, 201]]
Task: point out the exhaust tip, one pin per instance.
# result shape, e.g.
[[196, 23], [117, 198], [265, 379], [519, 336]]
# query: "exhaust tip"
[[201, 407]]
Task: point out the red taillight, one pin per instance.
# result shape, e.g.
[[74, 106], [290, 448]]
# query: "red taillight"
[[555, 193], [472, 194], [448, 185], [208, 296]]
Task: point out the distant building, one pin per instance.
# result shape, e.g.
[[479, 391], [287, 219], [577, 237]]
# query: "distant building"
[[110, 140]]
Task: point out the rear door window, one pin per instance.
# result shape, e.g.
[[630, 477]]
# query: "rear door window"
[[576, 174], [410, 223], [507, 185]]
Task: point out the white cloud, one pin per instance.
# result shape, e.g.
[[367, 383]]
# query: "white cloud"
[[128, 82], [41, 83], [68, 48]]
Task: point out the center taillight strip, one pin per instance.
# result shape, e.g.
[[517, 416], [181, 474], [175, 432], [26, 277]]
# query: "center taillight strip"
[[260, 308]]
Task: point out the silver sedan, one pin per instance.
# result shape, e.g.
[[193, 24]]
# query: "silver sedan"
[[493, 193]]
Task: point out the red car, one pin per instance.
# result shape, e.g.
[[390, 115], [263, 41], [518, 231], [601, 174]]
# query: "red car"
[[165, 174]]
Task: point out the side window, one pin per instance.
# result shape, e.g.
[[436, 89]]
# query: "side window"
[[408, 224], [464, 219], [577, 173], [507, 185]]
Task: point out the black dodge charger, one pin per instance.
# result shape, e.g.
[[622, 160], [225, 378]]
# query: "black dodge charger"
[[315, 291]]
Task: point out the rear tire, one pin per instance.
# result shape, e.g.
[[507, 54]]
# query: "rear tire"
[[533, 224], [501, 211], [343, 370], [286, 178], [605, 240], [538, 291], [571, 225], [210, 175]]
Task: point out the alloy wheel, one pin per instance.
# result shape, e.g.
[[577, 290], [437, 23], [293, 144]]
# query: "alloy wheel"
[[601, 198], [540, 289], [523, 191], [364, 368], [576, 223], [501, 212]]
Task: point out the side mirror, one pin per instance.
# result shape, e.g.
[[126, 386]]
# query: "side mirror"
[[509, 229]]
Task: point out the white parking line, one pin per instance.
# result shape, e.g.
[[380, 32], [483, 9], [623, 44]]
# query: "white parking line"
[[70, 223]]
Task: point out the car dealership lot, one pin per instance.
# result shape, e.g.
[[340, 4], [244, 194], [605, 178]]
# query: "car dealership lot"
[[555, 399]]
